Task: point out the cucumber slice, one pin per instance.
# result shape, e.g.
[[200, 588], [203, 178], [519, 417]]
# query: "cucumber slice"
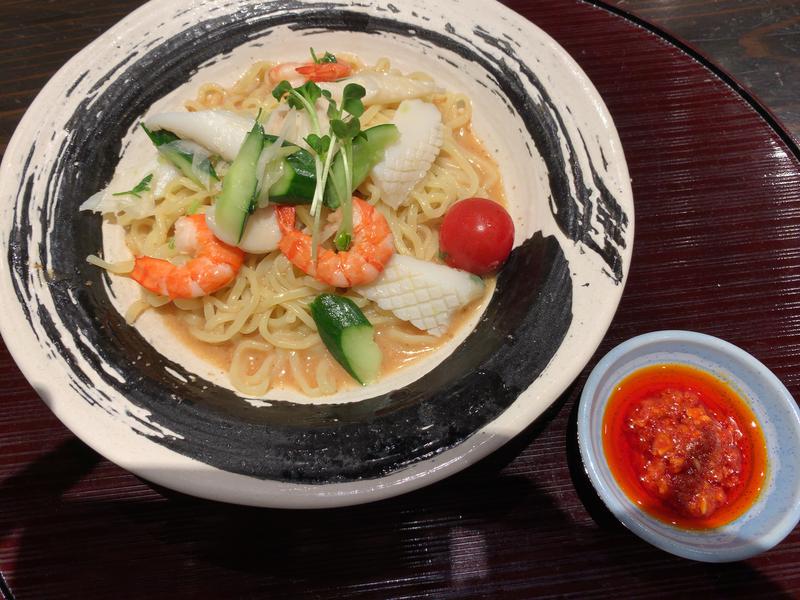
[[299, 179], [348, 335], [358, 343], [237, 199], [366, 154], [192, 164]]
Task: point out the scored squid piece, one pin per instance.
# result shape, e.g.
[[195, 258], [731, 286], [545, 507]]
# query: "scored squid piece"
[[423, 293], [406, 162]]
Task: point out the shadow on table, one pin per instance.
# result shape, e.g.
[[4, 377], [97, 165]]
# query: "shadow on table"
[[484, 531]]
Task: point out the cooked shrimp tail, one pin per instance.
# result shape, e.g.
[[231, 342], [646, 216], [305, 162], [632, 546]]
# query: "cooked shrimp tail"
[[213, 266], [372, 247], [286, 218], [325, 72], [298, 73]]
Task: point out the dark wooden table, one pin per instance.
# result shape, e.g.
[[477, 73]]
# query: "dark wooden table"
[[717, 188], [757, 41]]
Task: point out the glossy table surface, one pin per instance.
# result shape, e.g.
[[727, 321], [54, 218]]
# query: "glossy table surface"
[[756, 41], [717, 250]]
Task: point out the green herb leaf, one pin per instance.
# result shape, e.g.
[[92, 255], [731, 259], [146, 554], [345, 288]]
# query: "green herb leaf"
[[142, 186], [351, 99], [346, 130], [342, 241], [326, 58], [339, 128], [160, 137], [310, 91], [171, 243], [302, 97], [320, 145], [333, 110], [280, 90]]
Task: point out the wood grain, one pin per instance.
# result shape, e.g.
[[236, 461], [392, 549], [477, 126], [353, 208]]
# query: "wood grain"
[[754, 40], [717, 221]]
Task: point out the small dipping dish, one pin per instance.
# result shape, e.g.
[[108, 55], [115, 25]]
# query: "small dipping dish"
[[776, 510]]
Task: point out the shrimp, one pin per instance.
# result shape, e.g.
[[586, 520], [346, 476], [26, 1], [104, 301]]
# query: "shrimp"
[[214, 265], [325, 71], [286, 71], [295, 72], [371, 249]]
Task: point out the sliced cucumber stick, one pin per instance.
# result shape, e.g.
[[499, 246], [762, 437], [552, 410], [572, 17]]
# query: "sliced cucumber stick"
[[348, 335], [236, 201], [369, 152], [364, 355], [299, 179], [366, 154]]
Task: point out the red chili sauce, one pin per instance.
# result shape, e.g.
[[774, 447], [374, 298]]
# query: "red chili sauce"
[[684, 446]]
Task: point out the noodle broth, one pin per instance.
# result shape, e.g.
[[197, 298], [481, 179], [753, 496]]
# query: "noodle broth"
[[400, 344]]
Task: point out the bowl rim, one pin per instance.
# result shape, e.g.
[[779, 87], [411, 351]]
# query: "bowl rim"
[[633, 519]]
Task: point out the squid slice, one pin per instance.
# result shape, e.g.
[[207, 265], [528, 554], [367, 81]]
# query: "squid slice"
[[219, 131], [423, 293], [261, 233], [163, 175], [382, 88], [406, 162], [222, 132]]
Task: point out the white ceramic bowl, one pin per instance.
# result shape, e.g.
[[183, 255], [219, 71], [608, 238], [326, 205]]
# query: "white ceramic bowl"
[[141, 399]]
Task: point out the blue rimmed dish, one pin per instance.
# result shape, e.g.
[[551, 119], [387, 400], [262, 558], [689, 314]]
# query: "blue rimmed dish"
[[775, 512]]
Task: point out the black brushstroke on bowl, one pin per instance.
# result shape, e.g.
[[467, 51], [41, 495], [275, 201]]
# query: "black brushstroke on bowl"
[[572, 213], [518, 335]]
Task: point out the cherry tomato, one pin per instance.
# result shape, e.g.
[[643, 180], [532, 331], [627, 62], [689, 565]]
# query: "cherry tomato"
[[476, 235]]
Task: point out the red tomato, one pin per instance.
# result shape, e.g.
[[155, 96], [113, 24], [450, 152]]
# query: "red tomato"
[[476, 235]]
